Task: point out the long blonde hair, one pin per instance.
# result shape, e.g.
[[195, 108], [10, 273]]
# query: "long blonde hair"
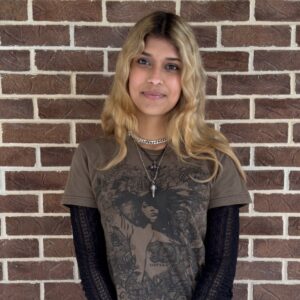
[[187, 131]]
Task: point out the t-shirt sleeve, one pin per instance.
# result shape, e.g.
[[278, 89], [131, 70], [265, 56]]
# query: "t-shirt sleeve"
[[78, 190], [228, 188]]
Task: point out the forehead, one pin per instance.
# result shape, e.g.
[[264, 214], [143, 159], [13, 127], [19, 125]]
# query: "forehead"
[[160, 46]]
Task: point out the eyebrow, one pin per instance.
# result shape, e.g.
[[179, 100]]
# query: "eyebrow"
[[167, 58]]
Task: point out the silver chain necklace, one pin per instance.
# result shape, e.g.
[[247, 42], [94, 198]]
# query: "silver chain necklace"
[[153, 186], [145, 141]]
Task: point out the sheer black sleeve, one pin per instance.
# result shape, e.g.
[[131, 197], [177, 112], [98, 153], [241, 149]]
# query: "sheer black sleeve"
[[90, 251], [221, 249]]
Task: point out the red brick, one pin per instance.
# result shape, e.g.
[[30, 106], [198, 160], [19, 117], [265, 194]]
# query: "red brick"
[[64, 290], [14, 60], [298, 83], [277, 108], [35, 84], [64, 10], [296, 133], [227, 109], [270, 84], [70, 108], [56, 156], [203, 11], [112, 60], [39, 180], [58, 248], [277, 10], [93, 84], [87, 36], [243, 154], [285, 203], [13, 10], [16, 109], [52, 204], [44, 270], [256, 35], [298, 35], [17, 248], [18, 203], [1, 274], [261, 225], [34, 35], [225, 61], [19, 291], [258, 270], [87, 131], [294, 226], [293, 270], [243, 248], [265, 180], [17, 156], [36, 133], [240, 291], [211, 85], [294, 180], [276, 248], [60, 60], [276, 60], [206, 36], [256, 132], [38, 225], [133, 11], [276, 291]]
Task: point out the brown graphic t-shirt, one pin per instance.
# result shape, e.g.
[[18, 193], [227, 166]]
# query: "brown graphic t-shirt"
[[154, 245]]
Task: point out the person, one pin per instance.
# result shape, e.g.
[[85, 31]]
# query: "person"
[[154, 201]]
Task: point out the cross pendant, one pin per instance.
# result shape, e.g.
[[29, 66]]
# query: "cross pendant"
[[153, 189]]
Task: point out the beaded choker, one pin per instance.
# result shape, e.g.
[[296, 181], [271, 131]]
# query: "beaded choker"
[[140, 140]]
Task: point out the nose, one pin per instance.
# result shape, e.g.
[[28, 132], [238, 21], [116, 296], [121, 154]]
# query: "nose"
[[155, 77]]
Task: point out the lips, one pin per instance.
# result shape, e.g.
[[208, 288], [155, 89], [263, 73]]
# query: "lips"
[[153, 95]]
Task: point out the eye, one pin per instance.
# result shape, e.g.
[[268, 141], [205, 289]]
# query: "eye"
[[172, 67], [143, 61]]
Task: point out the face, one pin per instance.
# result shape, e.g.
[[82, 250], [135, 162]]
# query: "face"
[[150, 212], [154, 79]]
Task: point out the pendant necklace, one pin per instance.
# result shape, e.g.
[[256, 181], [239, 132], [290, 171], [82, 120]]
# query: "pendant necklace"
[[154, 162]]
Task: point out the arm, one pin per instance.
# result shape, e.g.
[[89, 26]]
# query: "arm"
[[221, 249], [90, 251]]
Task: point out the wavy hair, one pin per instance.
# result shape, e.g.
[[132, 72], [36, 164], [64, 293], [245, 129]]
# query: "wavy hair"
[[187, 131]]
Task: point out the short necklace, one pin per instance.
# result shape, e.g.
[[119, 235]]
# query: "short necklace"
[[153, 186], [140, 140]]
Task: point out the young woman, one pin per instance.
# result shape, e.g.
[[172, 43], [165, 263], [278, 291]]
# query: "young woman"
[[155, 202]]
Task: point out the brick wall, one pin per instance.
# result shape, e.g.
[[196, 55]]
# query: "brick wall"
[[56, 64]]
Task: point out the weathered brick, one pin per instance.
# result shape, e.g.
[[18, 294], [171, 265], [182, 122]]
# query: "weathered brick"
[[256, 132], [255, 35], [58, 248], [17, 156], [276, 291], [36, 270], [64, 10], [243, 248], [16, 109], [203, 11], [240, 291], [18, 203], [217, 109], [276, 248], [225, 61], [298, 35], [38, 225], [61, 60], [35, 84], [258, 270], [294, 226], [265, 180], [285, 203], [277, 10], [14, 60], [13, 10], [51, 203], [36, 133], [206, 36], [39, 180], [112, 60], [243, 154], [87, 131], [293, 270], [56, 156], [70, 108], [87, 36], [19, 291], [298, 83], [18, 248], [64, 290], [270, 84], [294, 180], [261, 225], [296, 132], [93, 84], [133, 11], [34, 35], [211, 85], [279, 60], [1, 274]]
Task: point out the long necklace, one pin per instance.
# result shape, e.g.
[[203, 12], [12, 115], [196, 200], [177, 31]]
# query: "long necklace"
[[154, 162], [153, 186], [145, 141]]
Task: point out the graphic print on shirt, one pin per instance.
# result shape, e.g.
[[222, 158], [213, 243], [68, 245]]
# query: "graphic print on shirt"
[[153, 243]]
